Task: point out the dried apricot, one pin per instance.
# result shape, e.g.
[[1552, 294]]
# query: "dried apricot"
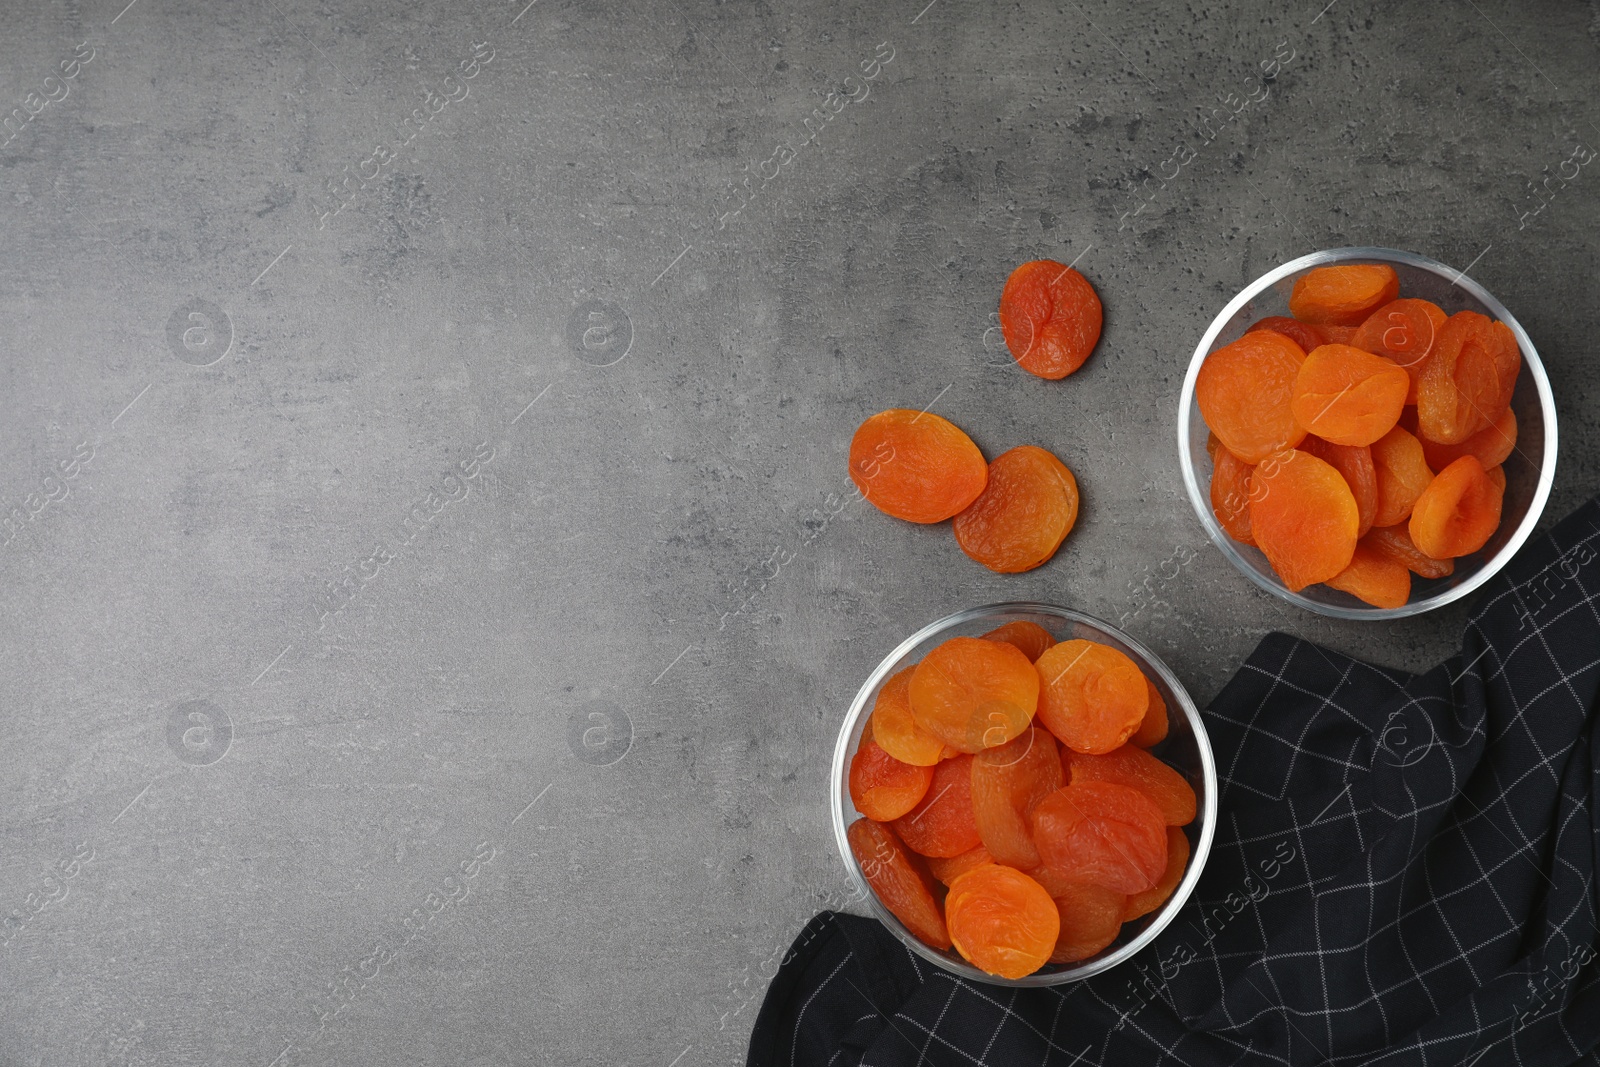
[[1497, 475], [1002, 921], [1303, 517], [1337, 335], [1230, 495], [1023, 514], [1153, 727], [1355, 463], [1395, 542], [1374, 578], [1050, 317], [942, 824], [1302, 334], [900, 879], [974, 694], [1458, 512], [1133, 766], [896, 730], [1091, 918], [1492, 445], [881, 787], [1092, 696], [1348, 396], [1507, 362], [1144, 903], [1403, 474], [1101, 832], [1403, 331], [948, 868], [1030, 638], [1244, 389], [1007, 781], [916, 466], [1343, 295], [1462, 389]]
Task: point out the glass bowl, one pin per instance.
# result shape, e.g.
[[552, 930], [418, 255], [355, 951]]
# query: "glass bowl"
[[1185, 748], [1530, 469]]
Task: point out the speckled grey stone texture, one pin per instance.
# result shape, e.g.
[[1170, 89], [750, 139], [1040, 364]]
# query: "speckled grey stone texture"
[[292, 651]]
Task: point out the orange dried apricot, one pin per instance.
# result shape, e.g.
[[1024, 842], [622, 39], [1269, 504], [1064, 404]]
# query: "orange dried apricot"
[[1492, 445], [1244, 389], [1395, 542], [1230, 495], [1507, 362], [1462, 389], [941, 824], [1050, 317], [1091, 918], [974, 694], [1343, 295], [881, 787], [1458, 512], [1133, 766], [1302, 334], [1403, 474], [900, 879], [916, 466], [1025, 511], [1144, 903], [1355, 463], [1347, 396], [1403, 331], [1092, 697], [1375, 578], [1030, 638], [948, 868], [1101, 832], [1303, 517], [1007, 781], [1497, 475], [1337, 335], [1002, 921], [1153, 727], [896, 730]]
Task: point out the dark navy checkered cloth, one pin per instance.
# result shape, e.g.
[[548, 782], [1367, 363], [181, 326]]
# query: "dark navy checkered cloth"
[[1403, 873]]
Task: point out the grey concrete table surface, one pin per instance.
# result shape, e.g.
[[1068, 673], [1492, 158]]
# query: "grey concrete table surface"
[[429, 609]]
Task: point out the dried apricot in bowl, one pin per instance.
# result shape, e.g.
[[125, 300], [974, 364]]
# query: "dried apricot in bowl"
[[1153, 727], [881, 787], [1375, 578], [1244, 389], [1303, 517], [1492, 445], [1092, 696], [916, 466], [1403, 331], [1355, 463], [1029, 637], [974, 694], [1133, 766], [896, 730], [1303, 334], [1091, 918], [1140, 904], [942, 824], [1007, 781], [1465, 386], [1101, 832], [1458, 512], [1343, 295], [1403, 474], [1023, 514], [1002, 921], [1050, 317], [1347, 396], [900, 879], [1230, 495], [1395, 542]]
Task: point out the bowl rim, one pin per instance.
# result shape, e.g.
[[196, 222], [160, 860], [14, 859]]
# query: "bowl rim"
[[1187, 411], [1207, 813]]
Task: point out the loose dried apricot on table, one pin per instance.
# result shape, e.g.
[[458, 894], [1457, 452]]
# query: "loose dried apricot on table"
[[1002, 921], [1050, 317], [916, 466], [974, 694], [1244, 391], [1023, 514], [1343, 295]]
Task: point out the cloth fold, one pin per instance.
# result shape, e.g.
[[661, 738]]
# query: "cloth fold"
[[1403, 872]]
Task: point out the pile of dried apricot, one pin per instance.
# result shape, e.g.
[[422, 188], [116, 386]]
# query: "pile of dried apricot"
[[1011, 808], [1010, 514], [1360, 442]]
